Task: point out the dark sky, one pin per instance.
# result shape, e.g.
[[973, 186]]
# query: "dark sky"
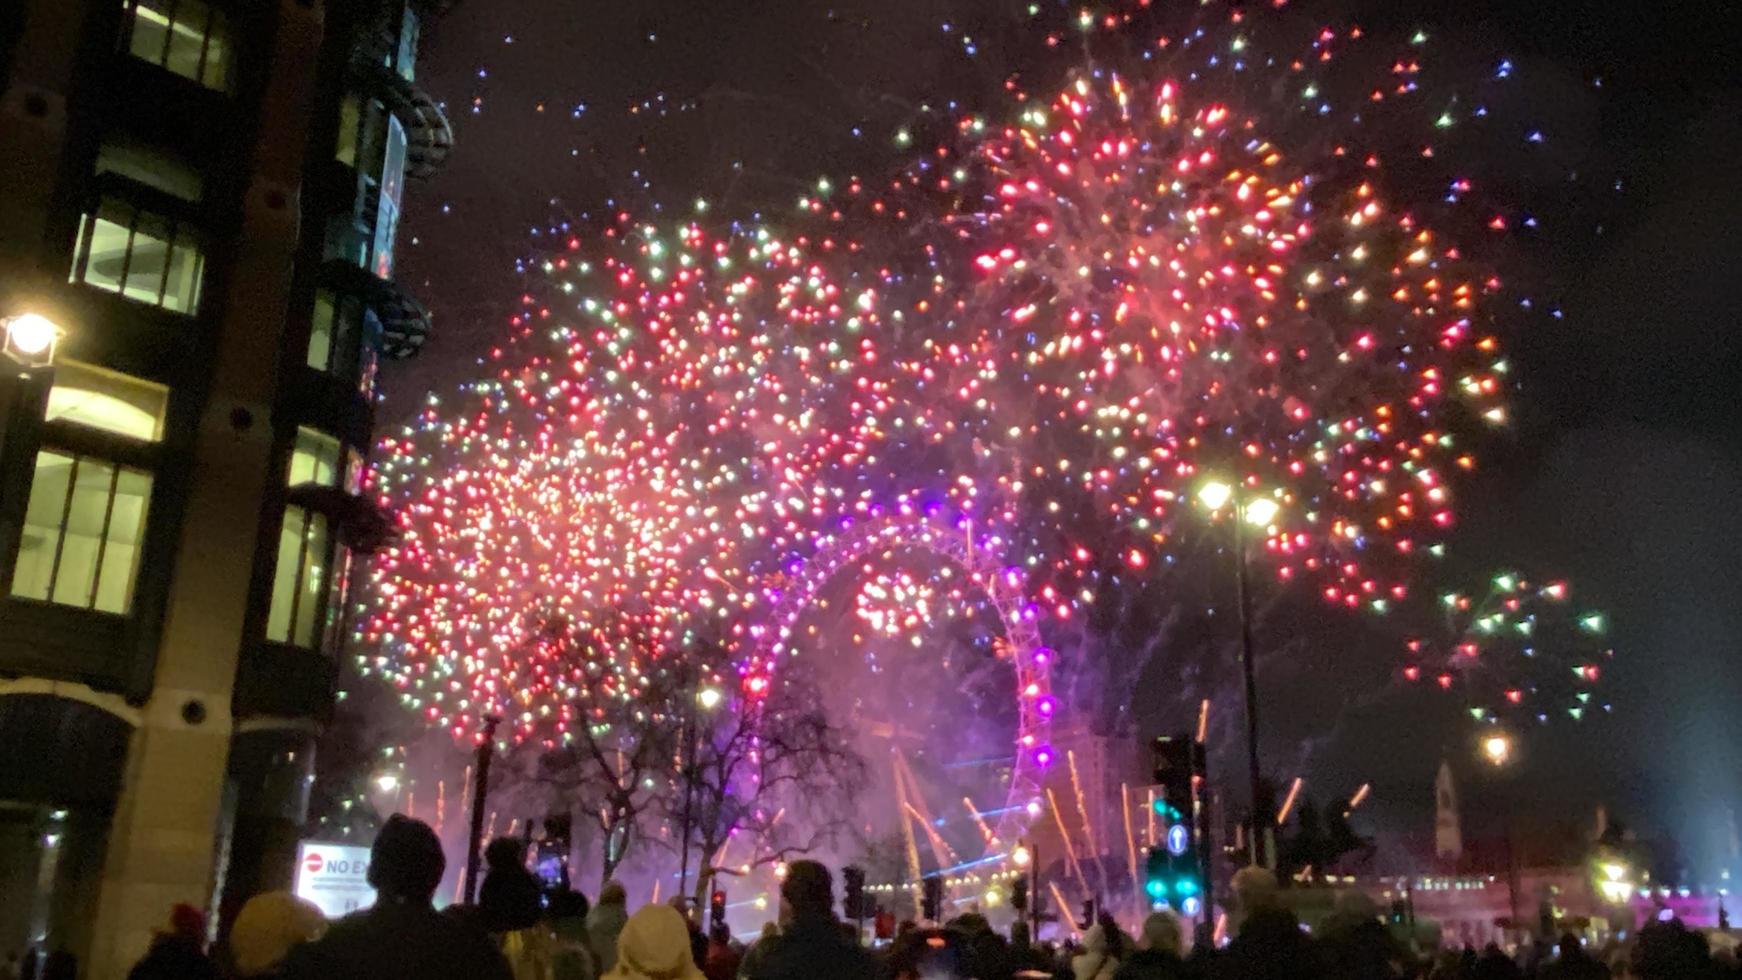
[[1623, 472]]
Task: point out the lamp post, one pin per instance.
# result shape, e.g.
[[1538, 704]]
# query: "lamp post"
[[707, 699], [1497, 749], [1024, 859], [1260, 511]]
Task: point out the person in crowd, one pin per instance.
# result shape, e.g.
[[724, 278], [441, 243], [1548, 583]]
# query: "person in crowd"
[[752, 958], [1103, 951], [1494, 964], [654, 945], [1269, 944], [509, 896], [178, 953], [268, 928], [723, 958], [810, 943], [511, 910], [1024, 954], [1161, 955], [604, 922], [1573, 963], [1356, 945], [1669, 949], [401, 935], [572, 959], [698, 941]]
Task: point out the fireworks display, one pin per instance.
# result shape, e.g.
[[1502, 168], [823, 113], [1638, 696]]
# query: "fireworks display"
[[1524, 650], [1232, 247]]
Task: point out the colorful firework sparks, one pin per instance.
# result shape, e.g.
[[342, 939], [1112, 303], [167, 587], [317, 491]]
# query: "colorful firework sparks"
[[1053, 327], [1525, 649]]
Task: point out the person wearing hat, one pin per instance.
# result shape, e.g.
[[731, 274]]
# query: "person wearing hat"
[[655, 945], [269, 926], [401, 935]]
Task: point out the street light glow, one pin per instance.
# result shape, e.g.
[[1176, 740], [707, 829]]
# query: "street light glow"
[[387, 782], [31, 339], [1021, 856], [1498, 748], [1260, 512], [708, 698], [1215, 494]]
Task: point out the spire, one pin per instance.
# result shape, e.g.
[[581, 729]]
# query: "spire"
[[1448, 831]]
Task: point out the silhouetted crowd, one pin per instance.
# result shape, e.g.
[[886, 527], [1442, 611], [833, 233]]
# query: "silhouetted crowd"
[[519, 931]]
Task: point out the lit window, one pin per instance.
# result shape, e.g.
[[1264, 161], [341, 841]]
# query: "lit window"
[[350, 118], [187, 37], [84, 526], [314, 459], [302, 579], [153, 168], [105, 400], [142, 256], [334, 327]]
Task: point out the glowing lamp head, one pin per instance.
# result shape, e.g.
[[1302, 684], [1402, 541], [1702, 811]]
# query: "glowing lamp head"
[[1043, 756], [1262, 511], [1498, 749], [1021, 856], [1033, 808], [1046, 706], [709, 698], [387, 782], [31, 339], [1215, 494]]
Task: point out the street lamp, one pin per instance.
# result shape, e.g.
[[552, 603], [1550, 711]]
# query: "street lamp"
[[707, 698], [31, 339], [1260, 512], [1497, 749]]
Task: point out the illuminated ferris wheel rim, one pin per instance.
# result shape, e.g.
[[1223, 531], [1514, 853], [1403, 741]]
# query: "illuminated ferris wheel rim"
[[977, 556]]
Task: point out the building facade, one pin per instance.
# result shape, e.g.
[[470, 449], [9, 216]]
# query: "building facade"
[[201, 200]]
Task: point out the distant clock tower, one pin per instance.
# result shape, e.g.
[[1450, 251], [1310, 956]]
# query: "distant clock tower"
[[1448, 832]]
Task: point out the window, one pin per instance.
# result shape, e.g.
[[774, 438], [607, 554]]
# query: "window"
[[314, 459], [302, 583], [350, 122], [83, 529], [335, 327], [187, 37], [84, 523], [107, 401], [298, 583], [404, 59], [151, 167], [143, 256]]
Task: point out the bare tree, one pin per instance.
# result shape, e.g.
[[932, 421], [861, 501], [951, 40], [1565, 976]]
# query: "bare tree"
[[610, 760], [768, 778]]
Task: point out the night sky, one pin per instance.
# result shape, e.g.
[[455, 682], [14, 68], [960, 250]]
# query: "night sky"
[[1622, 472]]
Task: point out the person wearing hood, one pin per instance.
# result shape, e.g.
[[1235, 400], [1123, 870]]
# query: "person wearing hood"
[[269, 926], [654, 945], [605, 920]]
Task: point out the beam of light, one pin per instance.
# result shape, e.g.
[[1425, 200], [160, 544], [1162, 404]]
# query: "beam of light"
[[1130, 838], [1288, 802], [1070, 848], [985, 831], [1088, 825]]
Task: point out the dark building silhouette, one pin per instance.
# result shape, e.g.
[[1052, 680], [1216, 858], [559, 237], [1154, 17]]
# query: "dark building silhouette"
[[196, 281]]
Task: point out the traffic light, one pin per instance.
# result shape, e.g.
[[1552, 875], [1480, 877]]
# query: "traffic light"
[[853, 892], [1019, 894], [717, 907], [932, 897], [1174, 869]]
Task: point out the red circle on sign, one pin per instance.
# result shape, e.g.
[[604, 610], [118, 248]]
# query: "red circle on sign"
[[313, 863]]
